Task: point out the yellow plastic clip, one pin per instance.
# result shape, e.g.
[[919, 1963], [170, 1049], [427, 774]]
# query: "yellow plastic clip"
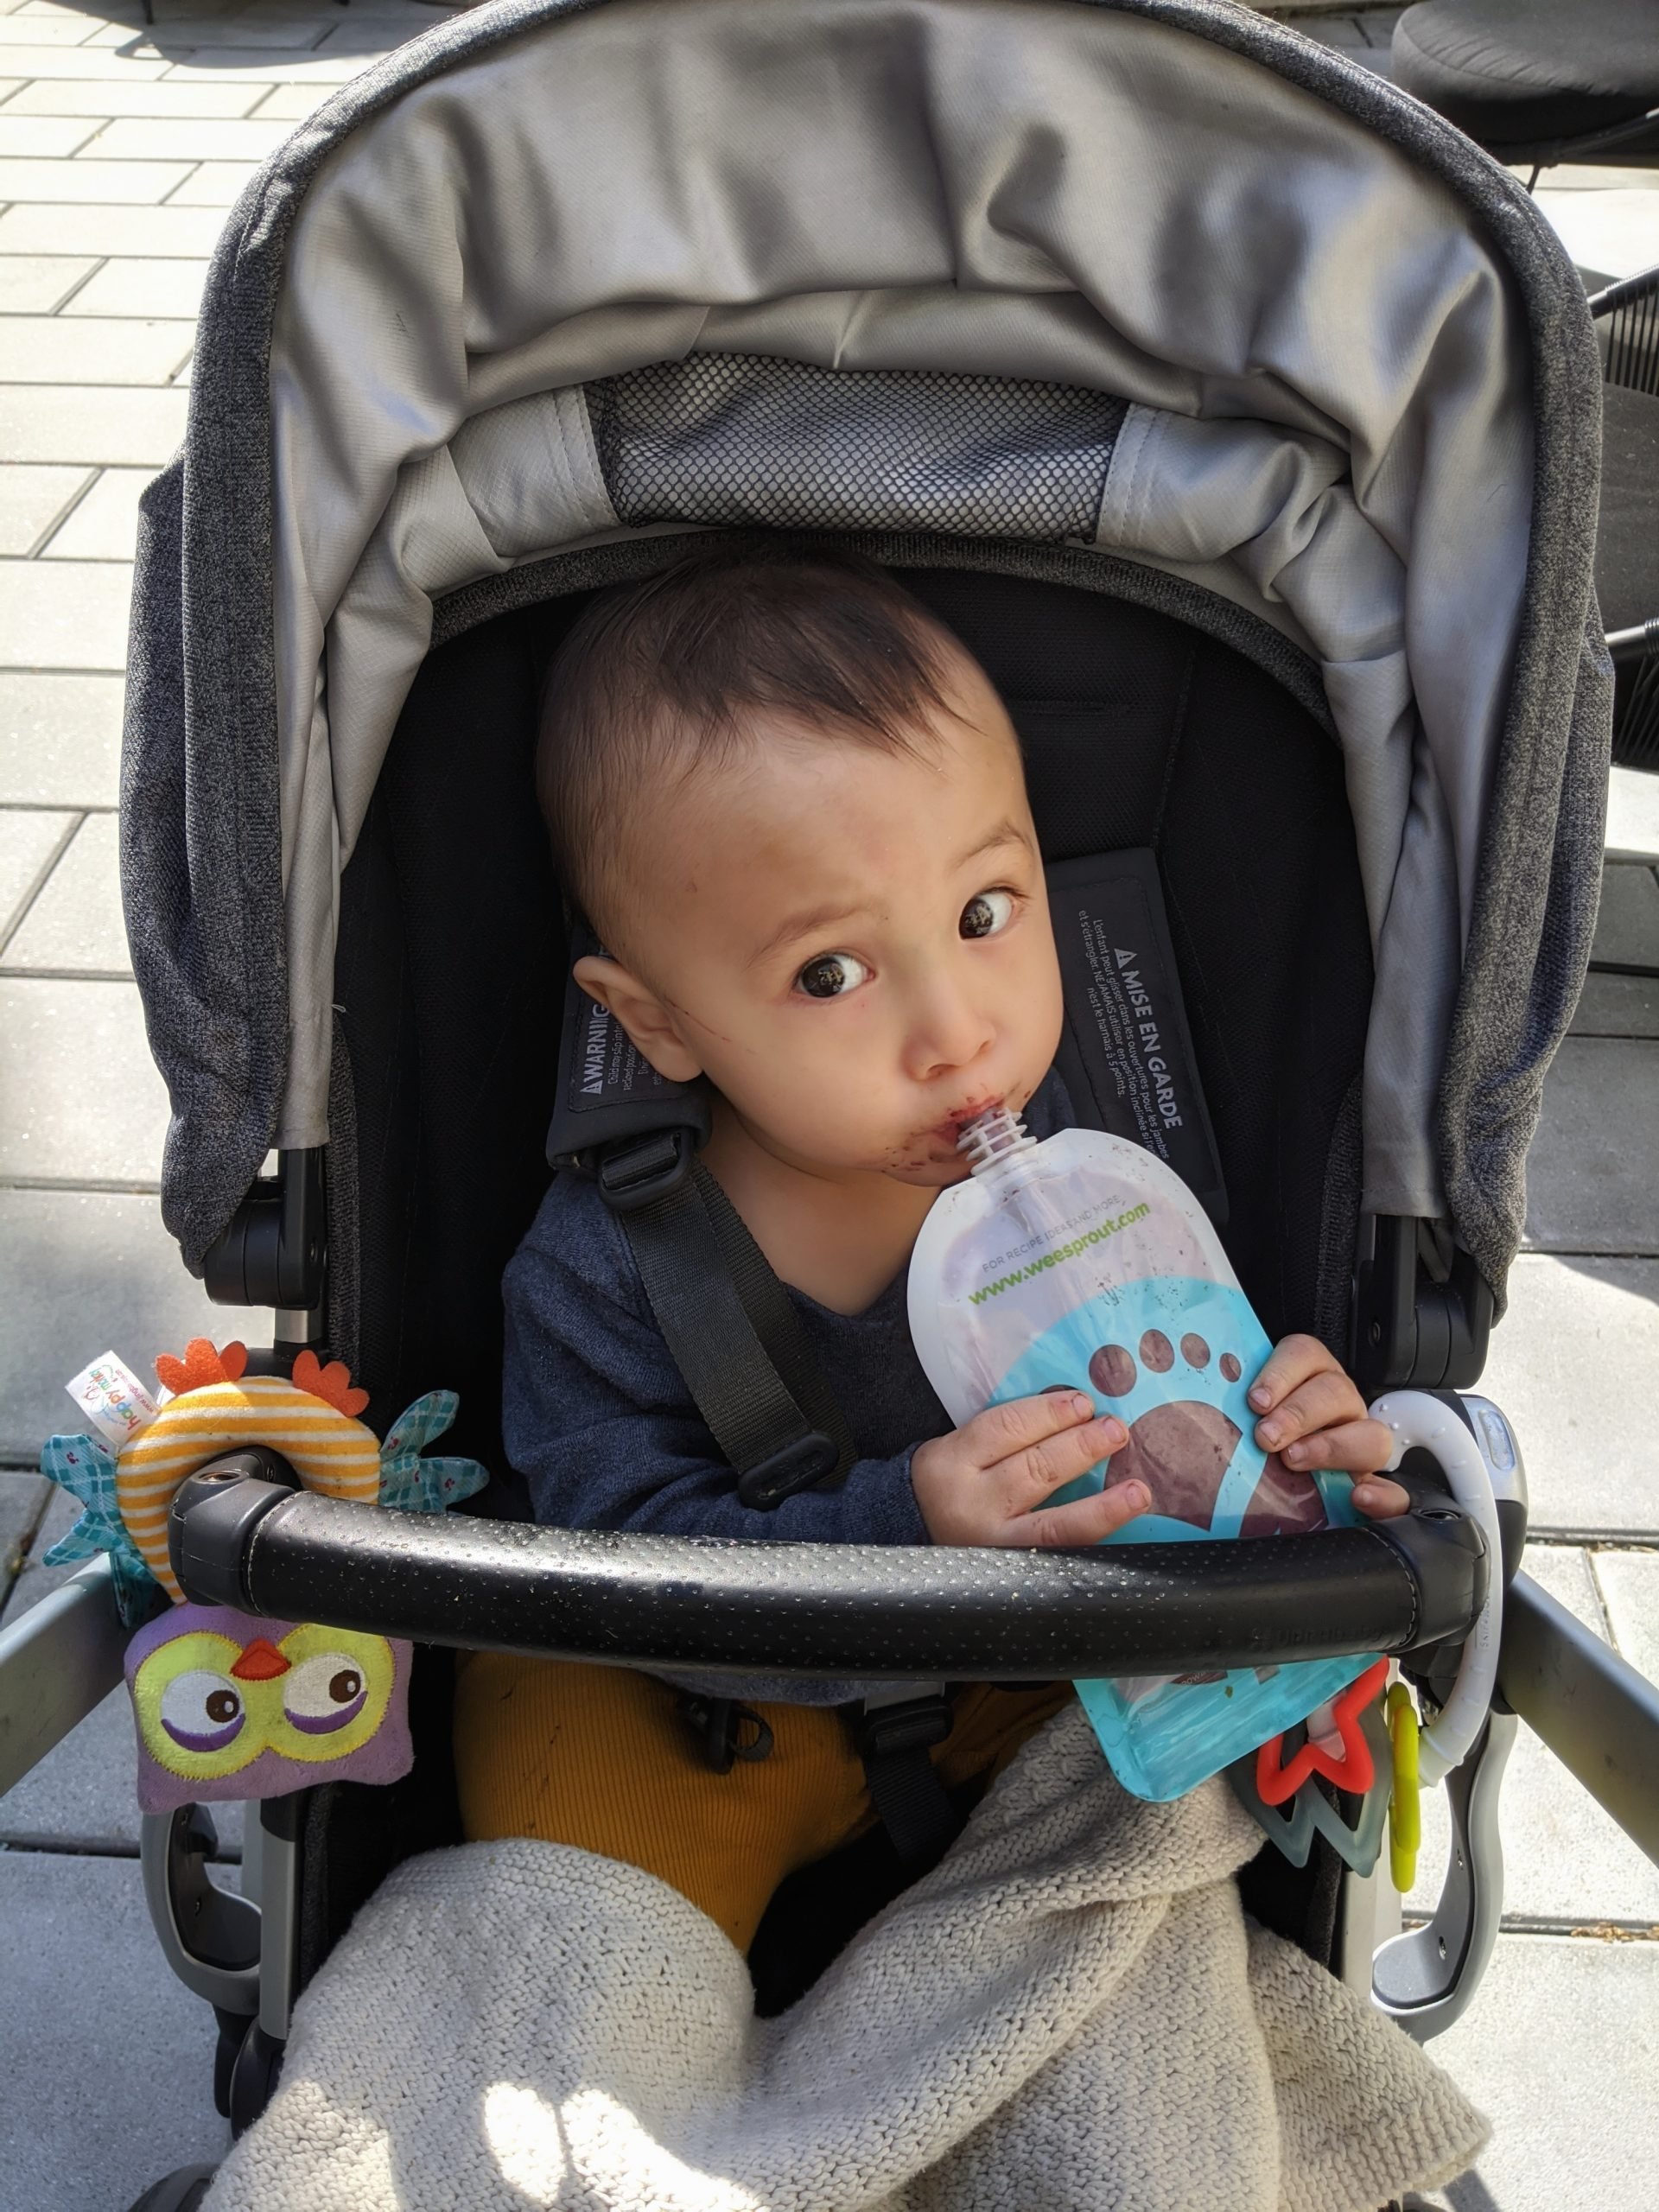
[[1405, 1819]]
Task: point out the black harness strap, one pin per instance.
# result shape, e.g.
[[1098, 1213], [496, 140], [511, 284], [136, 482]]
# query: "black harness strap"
[[728, 1321], [737, 1342]]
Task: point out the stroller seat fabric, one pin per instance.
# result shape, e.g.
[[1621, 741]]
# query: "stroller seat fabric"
[[1518, 73]]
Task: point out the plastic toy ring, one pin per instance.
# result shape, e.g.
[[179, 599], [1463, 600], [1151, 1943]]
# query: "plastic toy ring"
[[1405, 1813]]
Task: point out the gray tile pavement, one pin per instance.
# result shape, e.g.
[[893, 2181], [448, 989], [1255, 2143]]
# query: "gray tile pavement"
[[89, 2118], [1561, 2050], [82, 1797], [65, 349], [1618, 1006], [130, 183], [75, 923], [1590, 1182], [31, 501], [29, 844], [1571, 1364], [125, 230], [80, 1099], [97, 426], [103, 525], [1559, 1846], [36, 283], [111, 96], [1629, 1582], [83, 1272], [141, 288], [1627, 928], [1633, 801], [214, 184], [64, 614], [60, 738]]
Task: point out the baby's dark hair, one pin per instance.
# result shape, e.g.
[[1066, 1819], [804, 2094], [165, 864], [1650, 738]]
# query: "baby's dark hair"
[[657, 678]]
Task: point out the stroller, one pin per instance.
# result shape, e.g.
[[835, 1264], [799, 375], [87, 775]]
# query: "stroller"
[[1242, 418]]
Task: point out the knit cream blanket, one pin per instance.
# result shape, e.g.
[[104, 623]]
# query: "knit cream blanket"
[[1071, 2014]]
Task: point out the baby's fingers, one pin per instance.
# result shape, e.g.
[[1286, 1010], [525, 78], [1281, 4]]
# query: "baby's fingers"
[[1352, 1447], [1084, 1520]]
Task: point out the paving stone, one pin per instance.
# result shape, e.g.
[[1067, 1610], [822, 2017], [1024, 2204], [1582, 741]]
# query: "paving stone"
[[23, 1498], [75, 923], [1564, 1859], [32, 284], [270, 34], [142, 138], [83, 1794], [1629, 1589], [275, 67], [1590, 1181], [292, 102], [96, 424], [31, 500], [1561, 2049], [85, 1272], [70, 62], [1627, 928], [136, 182], [215, 184], [80, 1099], [141, 288], [104, 524], [59, 740], [1614, 232], [112, 96], [48, 134], [1618, 1006], [98, 230], [1571, 1364], [28, 842], [107, 2059], [1633, 810], [24, 29], [60, 349], [64, 614]]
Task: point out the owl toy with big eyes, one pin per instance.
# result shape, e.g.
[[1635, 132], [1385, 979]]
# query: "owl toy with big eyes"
[[231, 1705], [227, 1704]]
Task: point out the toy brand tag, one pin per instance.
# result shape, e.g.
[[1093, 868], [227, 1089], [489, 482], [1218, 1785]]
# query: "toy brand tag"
[[112, 1399]]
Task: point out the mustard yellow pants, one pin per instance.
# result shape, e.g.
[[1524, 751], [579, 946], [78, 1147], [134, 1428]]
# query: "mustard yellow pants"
[[598, 1757]]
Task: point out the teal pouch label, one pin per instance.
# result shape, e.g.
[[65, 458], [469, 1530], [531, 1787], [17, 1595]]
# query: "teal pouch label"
[[1173, 1358]]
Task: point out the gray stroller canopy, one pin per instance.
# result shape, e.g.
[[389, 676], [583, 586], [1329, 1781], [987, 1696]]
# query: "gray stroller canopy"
[[1153, 284]]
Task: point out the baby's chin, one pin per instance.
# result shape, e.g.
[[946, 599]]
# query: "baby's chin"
[[928, 1171]]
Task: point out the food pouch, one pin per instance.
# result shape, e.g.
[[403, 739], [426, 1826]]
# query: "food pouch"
[[1085, 1263]]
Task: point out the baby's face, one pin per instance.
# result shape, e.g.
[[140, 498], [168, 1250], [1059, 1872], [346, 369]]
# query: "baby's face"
[[853, 945]]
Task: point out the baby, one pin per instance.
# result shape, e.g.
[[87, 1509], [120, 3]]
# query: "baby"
[[794, 809]]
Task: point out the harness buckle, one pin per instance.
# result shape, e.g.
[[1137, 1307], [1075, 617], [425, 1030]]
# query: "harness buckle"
[[638, 1173]]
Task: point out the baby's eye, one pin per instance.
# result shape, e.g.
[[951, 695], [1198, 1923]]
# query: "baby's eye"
[[831, 976], [987, 912]]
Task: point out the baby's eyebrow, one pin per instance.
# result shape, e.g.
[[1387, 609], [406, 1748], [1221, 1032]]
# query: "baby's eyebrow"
[[1006, 833], [803, 925]]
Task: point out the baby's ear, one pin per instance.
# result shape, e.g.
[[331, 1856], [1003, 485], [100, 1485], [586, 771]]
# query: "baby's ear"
[[647, 1019]]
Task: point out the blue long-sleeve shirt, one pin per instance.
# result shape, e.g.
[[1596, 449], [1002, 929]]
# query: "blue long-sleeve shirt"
[[598, 1421]]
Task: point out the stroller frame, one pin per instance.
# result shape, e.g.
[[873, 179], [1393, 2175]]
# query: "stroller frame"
[[1421, 1310]]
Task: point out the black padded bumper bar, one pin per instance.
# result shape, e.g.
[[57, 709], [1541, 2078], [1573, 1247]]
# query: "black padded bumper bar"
[[866, 1611]]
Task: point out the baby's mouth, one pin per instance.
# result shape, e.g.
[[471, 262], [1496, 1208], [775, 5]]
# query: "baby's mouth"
[[949, 1129]]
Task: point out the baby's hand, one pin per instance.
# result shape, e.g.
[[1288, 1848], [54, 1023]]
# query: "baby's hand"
[[1313, 1416], [983, 1483]]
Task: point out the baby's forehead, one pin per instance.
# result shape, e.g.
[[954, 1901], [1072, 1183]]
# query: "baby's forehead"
[[791, 811]]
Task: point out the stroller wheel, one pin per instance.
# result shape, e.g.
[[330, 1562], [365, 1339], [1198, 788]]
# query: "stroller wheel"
[[177, 2192]]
